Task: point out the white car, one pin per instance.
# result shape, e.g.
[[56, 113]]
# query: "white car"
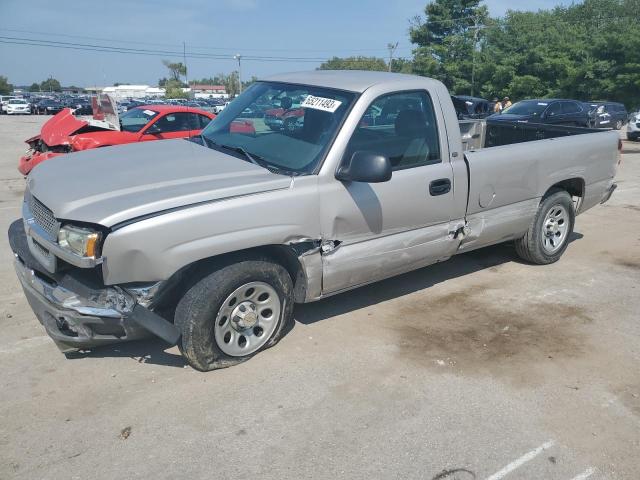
[[4, 99], [18, 106], [633, 127], [218, 108]]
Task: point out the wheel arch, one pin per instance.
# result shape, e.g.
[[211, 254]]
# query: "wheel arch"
[[287, 256], [574, 186]]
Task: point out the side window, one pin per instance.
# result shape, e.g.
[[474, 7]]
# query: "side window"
[[401, 126], [204, 120], [570, 107], [174, 122], [554, 109]]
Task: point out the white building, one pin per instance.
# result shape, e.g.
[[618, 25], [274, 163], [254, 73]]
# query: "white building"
[[209, 91], [133, 91]]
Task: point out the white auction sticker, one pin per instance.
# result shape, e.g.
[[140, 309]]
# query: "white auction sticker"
[[149, 112], [321, 103]]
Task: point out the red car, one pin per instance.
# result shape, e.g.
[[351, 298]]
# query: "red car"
[[287, 117], [65, 133]]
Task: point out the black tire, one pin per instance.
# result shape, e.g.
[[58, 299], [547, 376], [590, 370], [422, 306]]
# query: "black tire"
[[530, 247], [632, 137], [198, 309], [290, 125]]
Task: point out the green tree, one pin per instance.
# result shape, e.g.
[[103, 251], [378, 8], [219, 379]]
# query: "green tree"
[[354, 63], [176, 69], [35, 87], [173, 89], [586, 51], [50, 85], [447, 40], [5, 86]]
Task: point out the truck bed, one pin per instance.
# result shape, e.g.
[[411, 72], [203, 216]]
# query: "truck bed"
[[507, 180], [477, 134]]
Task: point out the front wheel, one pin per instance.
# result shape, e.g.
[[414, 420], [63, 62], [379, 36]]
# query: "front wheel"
[[548, 235], [233, 313]]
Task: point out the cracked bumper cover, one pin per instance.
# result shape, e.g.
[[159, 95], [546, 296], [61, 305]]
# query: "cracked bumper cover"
[[81, 316]]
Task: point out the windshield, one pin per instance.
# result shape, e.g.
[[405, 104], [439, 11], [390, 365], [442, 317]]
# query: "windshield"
[[284, 126], [532, 108], [17, 102], [133, 120]]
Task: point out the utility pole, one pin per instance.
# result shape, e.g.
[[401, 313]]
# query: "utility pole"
[[476, 31], [238, 57], [392, 48], [184, 60]]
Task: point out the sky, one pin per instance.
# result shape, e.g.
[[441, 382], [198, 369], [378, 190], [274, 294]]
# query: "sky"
[[301, 29]]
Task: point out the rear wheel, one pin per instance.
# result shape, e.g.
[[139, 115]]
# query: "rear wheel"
[[548, 235], [618, 124], [233, 313]]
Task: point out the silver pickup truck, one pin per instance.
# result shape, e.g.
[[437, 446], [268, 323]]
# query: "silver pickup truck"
[[209, 242]]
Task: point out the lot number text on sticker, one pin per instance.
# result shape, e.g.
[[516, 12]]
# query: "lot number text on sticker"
[[321, 103]]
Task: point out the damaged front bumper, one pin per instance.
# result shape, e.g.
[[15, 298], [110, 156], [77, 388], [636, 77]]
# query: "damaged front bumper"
[[78, 315]]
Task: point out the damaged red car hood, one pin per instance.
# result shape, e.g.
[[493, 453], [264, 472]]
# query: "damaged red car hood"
[[56, 131]]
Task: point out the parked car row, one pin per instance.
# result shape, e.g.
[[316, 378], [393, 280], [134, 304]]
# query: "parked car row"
[[595, 114]]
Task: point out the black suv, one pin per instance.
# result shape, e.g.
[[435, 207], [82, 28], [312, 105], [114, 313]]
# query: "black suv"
[[607, 114], [550, 111]]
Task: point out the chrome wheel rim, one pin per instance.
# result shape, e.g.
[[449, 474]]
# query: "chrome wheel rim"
[[247, 319], [555, 228]]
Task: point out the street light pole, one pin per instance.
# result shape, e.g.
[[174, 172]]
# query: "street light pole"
[[239, 57], [392, 48]]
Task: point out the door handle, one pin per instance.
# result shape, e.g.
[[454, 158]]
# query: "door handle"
[[440, 187]]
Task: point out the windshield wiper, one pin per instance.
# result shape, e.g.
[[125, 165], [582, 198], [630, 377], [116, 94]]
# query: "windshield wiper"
[[251, 157]]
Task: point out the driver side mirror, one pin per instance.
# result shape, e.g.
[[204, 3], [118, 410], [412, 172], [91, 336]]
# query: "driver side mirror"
[[366, 167]]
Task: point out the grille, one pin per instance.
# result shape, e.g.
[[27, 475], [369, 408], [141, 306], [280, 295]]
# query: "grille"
[[43, 216], [43, 251]]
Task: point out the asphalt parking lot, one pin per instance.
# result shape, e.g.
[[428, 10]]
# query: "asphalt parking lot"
[[482, 367]]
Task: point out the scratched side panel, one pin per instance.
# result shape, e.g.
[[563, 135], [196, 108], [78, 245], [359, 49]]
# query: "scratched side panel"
[[372, 260]]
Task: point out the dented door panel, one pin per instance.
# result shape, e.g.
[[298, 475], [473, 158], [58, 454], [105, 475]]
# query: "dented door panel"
[[385, 228], [349, 266]]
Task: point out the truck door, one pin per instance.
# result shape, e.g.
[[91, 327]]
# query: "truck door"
[[376, 230]]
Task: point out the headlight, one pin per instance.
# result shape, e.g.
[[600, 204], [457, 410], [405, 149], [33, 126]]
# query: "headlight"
[[81, 241]]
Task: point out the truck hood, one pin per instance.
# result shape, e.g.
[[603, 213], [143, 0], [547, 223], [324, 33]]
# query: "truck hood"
[[113, 185]]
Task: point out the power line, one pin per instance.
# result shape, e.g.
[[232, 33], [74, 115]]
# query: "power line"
[[196, 47], [150, 52]]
